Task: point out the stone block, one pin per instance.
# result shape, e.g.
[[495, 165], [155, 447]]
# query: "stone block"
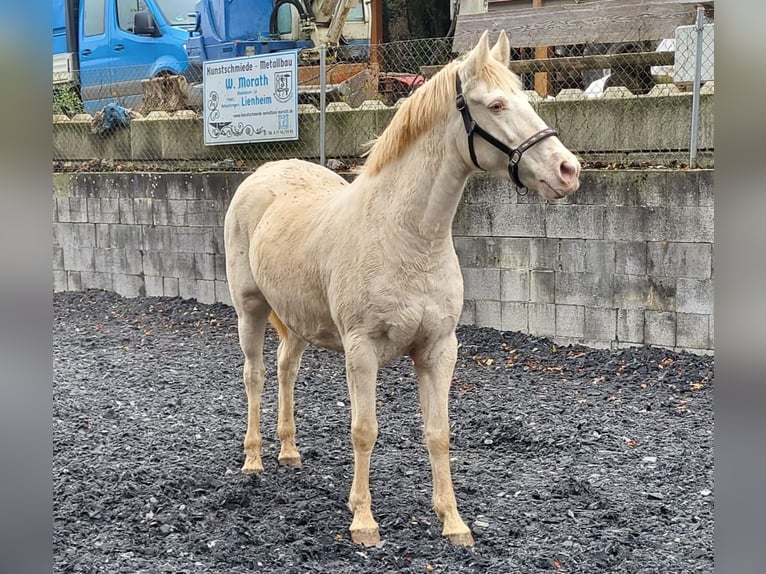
[[126, 236], [170, 212], [58, 258], [510, 252], [670, 259], [468, 314], [591, 289], [645, 292], [514, 316], [62, 212], [489, 314], [630, 326], [570, 320], [161, 239], [222, 294], [78, 210], [78, 258], [59, 280], [203, 213], [73, 281], [514, 285], [574, 221], [572, 255], [103, 210], [125, 208], [689, 224], [154, 286], [77, 234], [693, 331], [542, 319], [170, 286], [630, 257], [542, 286], [194, 240], [481, 284], [199, 289], [142, 211], [471, 221], [97, 280], [694, 296], [119, 261], [600, 324], [660, 328], [516, 220], [600, 257], [638, 223], [544, 253], [129, 285], [220, 267]]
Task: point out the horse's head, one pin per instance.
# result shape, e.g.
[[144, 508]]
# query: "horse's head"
[[498, 131]]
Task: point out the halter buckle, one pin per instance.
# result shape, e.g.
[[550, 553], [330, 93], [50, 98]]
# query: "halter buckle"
[[460, 102], [515, 157]]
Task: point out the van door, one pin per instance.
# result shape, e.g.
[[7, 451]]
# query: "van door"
[[94, 54], [133, 54], [139, 54]]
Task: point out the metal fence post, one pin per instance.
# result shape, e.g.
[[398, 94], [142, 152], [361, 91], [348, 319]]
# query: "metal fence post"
[[322, 103], [699, 28]]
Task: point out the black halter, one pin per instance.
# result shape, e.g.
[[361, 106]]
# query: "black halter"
[[514, 155]]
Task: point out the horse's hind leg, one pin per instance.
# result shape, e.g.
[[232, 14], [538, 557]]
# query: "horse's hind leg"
[[289, 354], [251, 323], [434, 366]]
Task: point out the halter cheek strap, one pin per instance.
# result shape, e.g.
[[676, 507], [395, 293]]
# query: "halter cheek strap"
[[472, 128]]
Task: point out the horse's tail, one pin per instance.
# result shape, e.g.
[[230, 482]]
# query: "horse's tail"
[[278, 325]]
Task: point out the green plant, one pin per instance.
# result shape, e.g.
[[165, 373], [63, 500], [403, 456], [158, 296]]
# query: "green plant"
[[66, 101]]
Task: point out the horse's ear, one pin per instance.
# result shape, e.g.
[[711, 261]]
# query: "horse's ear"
[[501, 51], [478, 56]]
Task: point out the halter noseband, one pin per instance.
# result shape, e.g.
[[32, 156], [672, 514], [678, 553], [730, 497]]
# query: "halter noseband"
[[514, 155]]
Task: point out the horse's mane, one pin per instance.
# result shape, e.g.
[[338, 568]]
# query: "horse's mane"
[[426, 106]]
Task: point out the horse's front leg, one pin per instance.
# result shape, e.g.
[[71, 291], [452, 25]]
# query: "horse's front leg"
[[434, 366], [361, 374]]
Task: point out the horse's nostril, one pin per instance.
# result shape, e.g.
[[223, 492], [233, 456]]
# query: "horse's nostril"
[[568, 171]]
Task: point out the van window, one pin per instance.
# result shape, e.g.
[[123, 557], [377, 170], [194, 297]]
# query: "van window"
[[94, 17], [126, 11]]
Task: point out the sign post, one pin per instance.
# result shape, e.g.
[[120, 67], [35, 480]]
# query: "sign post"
[[251, 99]]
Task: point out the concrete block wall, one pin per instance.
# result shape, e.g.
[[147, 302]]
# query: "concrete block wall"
[[627, 260], [617, 126], [142, 234]]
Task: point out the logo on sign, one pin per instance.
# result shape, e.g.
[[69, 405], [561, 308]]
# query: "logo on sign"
[[283, 89]]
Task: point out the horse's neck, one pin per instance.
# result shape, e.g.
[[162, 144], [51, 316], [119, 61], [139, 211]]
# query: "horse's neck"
[[421, 190]]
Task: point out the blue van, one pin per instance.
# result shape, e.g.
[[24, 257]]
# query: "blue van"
[[107, 47]]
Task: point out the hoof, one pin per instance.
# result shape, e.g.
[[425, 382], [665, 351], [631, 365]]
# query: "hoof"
[[366, 537], [252, 467], [290, 461], [461, 538]]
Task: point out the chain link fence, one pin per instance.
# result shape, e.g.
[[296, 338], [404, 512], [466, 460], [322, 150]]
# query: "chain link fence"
[[613, 103]]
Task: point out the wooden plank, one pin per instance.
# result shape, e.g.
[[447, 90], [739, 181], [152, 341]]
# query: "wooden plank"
[[597, 21], [543, 80], [579, 63], [597, 62]]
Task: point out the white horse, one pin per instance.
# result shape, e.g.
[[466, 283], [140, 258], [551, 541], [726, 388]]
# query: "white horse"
[[369, 268]]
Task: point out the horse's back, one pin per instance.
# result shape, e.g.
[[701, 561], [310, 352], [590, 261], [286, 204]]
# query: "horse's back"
[[285, 183]]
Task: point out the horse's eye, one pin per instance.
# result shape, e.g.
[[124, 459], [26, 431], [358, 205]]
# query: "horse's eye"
[[496, 107]]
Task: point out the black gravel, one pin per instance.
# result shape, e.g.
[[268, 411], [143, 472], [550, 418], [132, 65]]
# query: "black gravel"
[[565, 459]]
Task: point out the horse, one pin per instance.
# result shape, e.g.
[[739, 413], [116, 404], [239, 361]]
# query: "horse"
[[369, 269]]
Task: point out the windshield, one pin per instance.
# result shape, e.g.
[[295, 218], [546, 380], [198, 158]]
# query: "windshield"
[[176, 12]]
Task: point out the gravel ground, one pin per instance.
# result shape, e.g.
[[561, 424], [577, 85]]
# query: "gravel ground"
[[565, 459]]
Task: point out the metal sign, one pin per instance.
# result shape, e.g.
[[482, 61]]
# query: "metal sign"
[[251, 99]]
